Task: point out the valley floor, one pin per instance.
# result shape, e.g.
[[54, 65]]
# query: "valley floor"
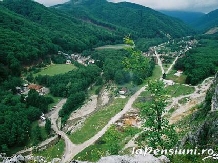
[[182, 105]]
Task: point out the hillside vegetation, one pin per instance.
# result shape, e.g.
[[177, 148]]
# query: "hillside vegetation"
[[187, 17], [206, 21], [135, 19], [200, 62]]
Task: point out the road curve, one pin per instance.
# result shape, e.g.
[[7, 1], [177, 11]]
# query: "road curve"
[[68, 144]]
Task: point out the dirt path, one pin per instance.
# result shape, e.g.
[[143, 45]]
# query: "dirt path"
[[194, 99], [77, 117], [159, 61], [54, 116], [171, 66], [89, 142]]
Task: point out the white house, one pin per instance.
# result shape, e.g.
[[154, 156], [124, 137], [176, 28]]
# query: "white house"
[[68, 62], [168, 82]]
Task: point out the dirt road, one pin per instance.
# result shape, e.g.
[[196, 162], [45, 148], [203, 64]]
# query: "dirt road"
[[81, 147], [171, 66], [194, 99], [54, 117], [159, 61]]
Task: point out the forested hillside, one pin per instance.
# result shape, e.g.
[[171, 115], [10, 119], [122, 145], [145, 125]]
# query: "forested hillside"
[[187, 17], [200, 62], [207, 21], [138, 20], [32, 34], [30, 31]]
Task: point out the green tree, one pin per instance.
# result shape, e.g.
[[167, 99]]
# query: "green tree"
[[48, 126], [136, 63], [4, 148], [36, 135], [160, 133]]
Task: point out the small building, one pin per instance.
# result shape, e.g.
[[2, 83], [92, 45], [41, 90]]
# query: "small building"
[[92, 61], [178, 73], [168, 82], [36, 87], [42, 117], [19, 90], [123, 91], [68, 62]]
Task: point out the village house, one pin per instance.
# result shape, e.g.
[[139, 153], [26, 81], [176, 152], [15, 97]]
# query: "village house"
[[38, 88], [168, 82], [178, 73], [42, 117], [123, 91], [68, 62]]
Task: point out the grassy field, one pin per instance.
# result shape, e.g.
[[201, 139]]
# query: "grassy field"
[[181, 79], [56, 69], [157, 73], [166, 66], [178, 90], [183, 100], [97, 121], [111, 142], [116, 47], [55, 151]]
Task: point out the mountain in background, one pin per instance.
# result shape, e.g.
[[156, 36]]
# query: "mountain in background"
[[31, 32], [135, 19], [207, 21], [187, 17]]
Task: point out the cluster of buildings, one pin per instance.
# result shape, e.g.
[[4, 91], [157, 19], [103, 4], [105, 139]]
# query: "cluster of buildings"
[[26, 87], [78, 58]]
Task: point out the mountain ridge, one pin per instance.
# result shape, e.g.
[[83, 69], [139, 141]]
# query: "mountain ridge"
[[186, 16], [207, 21], [144, 21]]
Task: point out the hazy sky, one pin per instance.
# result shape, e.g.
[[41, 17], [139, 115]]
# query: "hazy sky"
[[186, 5]]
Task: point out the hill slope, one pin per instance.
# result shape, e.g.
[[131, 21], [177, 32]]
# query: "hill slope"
[[187, 17], [207, 21], [135, 19], [30, 31]]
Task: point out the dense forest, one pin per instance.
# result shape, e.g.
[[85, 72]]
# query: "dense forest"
[[17, 115], [206, 21], [33, 34], [144, 22], [30, 32], [186, 16], [200, 62], [111, 62]]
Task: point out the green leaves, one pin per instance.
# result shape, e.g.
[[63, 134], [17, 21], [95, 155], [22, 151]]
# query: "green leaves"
[[160, 133], [136, 63]]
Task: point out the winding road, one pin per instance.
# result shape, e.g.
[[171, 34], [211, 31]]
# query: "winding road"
[[54, 117], [72, 149]]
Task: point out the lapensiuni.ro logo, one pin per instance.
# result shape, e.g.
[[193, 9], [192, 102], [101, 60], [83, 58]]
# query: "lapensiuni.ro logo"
[[207, 153]]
